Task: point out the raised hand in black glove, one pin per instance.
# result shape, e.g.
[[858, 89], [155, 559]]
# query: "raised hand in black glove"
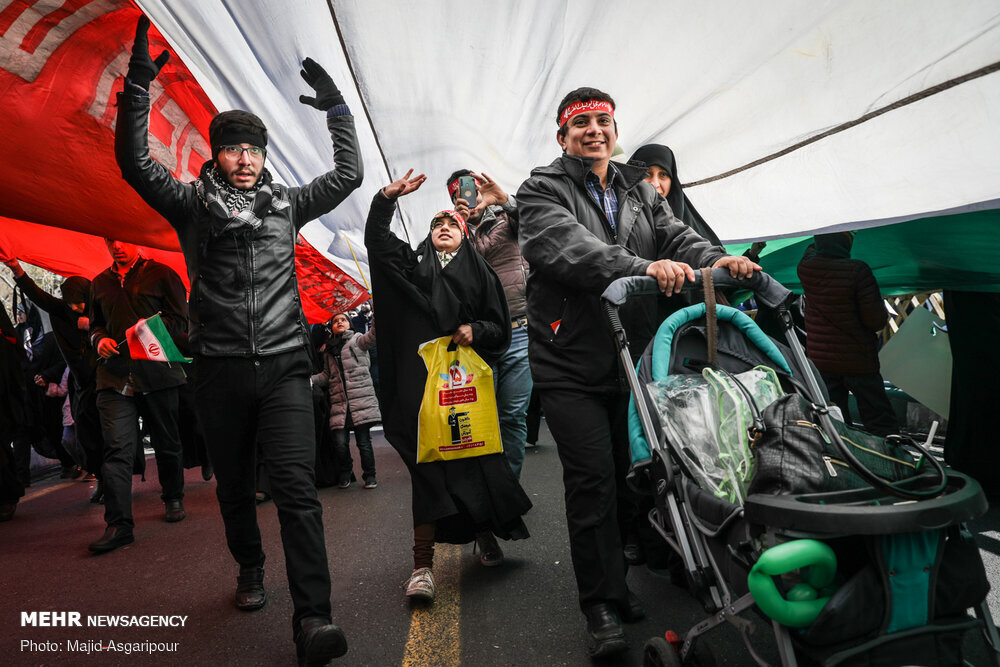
[[327, 94], [141, 68]]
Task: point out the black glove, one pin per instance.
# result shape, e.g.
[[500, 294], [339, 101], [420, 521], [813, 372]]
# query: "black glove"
[[141, 68], [327, 94]]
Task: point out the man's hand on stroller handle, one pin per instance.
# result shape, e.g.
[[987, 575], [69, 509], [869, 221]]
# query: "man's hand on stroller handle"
[[670, 275], [739, 267]]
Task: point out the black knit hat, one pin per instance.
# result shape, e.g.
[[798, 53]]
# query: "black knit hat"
[[236, 127]]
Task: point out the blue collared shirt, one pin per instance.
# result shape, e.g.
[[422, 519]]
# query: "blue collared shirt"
[[606, 197]]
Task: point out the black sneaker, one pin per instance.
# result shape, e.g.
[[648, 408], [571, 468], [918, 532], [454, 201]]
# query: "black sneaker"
[[371, 484]]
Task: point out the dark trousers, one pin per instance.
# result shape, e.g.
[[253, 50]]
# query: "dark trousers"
[[244, 403], [875, 410], [83, 405], [120, 425], [363, 439], [592, 439], [11, 488], [533, 420]]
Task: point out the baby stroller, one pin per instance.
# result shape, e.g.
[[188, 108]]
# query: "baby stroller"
[[877, 571]]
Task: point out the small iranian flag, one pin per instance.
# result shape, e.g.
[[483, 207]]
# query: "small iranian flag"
[[148, 339]]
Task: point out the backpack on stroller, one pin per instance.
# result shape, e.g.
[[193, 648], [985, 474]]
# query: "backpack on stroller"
[[854, 556]]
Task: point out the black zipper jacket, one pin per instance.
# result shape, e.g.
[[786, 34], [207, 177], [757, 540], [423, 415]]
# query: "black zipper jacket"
[[574, 255]]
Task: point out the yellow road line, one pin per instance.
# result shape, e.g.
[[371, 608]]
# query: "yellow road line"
[[38, 493], [435, 637]]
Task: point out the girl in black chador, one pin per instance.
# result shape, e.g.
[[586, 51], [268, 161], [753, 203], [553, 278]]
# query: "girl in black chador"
[[444, 288]]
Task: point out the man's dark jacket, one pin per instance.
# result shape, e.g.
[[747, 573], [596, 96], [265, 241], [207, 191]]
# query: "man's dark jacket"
[[73, 342], [574, 256], [116, 304], [844, 308], [244, 291]]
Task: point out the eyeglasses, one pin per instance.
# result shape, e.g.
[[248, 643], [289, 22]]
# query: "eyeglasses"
[[235, 152]]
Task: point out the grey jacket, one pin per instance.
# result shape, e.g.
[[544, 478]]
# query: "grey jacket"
[[495, 238], [244, 293], [359, 397], [574, 256]]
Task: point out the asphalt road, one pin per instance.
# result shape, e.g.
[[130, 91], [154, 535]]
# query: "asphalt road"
[[522, 613]]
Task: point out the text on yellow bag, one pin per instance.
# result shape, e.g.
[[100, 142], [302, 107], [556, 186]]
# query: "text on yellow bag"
[[458, 412]]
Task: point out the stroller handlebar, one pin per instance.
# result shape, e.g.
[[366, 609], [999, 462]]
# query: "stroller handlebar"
[[766, 289]]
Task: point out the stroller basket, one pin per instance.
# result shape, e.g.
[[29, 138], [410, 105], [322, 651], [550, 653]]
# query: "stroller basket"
[[903, 569]]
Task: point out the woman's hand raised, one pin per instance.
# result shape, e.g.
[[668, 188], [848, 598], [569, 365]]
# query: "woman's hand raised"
[[404, 185]]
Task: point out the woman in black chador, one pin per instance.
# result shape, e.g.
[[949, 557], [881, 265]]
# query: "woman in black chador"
[[444, 288], [662, 174]]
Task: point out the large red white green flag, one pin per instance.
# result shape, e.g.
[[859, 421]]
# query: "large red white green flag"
[[61, 64], [149, 340]]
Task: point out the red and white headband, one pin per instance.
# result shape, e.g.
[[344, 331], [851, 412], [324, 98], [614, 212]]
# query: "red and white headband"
[[582, 107], [452, 214]]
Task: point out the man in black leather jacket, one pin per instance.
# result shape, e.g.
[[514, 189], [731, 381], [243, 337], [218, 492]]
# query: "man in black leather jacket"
[[237, 229]]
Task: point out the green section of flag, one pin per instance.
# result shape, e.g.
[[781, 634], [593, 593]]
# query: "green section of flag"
[[149, 339], [946, 252]]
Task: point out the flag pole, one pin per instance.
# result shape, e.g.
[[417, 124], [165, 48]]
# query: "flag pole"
[[367, 287]]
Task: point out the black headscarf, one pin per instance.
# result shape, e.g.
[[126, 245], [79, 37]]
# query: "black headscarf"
[[661, 156], [465, 290], [76, 289]]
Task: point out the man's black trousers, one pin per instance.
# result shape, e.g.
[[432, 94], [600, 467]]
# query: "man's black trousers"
[[120, 426], [591, 436], [246, 402]]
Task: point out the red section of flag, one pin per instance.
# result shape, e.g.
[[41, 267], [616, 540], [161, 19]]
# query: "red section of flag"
[[326, 290], [59, 79]]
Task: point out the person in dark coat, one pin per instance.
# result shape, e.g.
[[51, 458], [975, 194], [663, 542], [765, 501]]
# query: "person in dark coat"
[[492, 221], [444, 288], [351, 396], [971, 444], [71, 325], [11, 414], [41, 364], [135, 288], [844, 312], [661, 173], [327, 465]]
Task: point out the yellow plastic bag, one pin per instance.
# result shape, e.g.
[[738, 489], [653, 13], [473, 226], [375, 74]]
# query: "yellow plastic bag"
[[458, 413]]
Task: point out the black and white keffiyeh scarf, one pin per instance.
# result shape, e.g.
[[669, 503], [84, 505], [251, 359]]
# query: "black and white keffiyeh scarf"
[[239, 207]]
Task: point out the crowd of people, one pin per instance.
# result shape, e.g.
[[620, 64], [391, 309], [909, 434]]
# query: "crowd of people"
[[515, 277]]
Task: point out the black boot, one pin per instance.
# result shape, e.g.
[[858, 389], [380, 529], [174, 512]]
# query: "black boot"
[[98, 495], [250, 593], [174, 511], [113, 538], [605, 635], [318, 642]]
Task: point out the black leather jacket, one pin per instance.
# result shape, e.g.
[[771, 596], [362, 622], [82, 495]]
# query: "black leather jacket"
[[244, 292], [574, 256]]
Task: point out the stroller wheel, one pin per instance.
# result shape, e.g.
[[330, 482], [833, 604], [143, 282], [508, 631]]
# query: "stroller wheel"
[[699, 656], [658, 652]]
